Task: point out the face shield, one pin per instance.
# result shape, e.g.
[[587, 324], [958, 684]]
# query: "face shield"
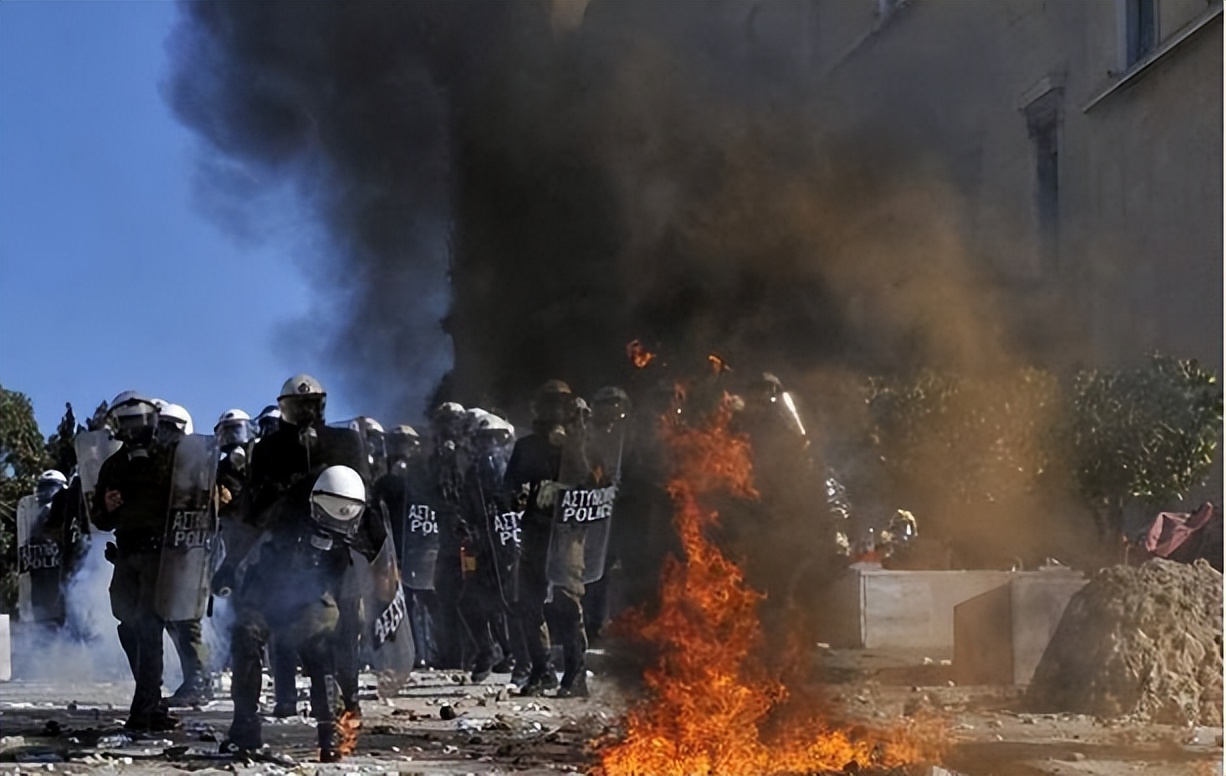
[[169, 430], [336, 514], [133, 423], [608, 412], [46, 489], [402, 447], [302, 409], [376, 448], [232, 433]]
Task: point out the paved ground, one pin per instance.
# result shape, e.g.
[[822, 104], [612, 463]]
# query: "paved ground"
[[440, 724]]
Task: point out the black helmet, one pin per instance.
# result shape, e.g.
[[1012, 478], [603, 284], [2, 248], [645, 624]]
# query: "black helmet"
[[551, 401]]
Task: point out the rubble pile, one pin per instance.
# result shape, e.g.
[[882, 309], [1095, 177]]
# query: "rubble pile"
[[1142, 642]]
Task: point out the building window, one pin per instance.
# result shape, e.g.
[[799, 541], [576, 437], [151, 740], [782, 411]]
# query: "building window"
[[1140, 29], [1043, 125]]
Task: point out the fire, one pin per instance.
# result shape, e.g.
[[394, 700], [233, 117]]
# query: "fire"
[[347, 731], [713, 706], [639, 355], [718, 365]]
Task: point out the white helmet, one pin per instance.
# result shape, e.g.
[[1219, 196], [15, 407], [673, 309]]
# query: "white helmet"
[[364, 423], [178, 415], [402, 442], [132, 417], [53, 475], [233, 415], [49, 483], [302, 400], [233, 428], [486, 426], [338, 499]]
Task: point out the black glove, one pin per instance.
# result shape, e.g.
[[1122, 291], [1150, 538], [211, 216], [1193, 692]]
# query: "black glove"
[[111, 552]]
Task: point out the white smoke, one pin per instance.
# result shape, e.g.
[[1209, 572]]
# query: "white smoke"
[[87, 648]]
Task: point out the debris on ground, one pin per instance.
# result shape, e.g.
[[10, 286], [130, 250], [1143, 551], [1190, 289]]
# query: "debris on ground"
[[1143, 642]]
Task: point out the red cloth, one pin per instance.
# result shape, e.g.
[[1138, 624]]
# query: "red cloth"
[[1172, 530]]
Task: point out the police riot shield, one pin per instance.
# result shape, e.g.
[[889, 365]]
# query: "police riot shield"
[[192, 531], [93, 448], [504, 540], [419, 540], [497, 525], [388, 626], [579, 514], [39, 558], [605, 447]]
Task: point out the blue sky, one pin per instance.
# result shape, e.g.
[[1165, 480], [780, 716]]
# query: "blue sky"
[[111, 276]]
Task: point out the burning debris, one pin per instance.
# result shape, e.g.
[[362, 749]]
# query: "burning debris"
[[714, 706], [640, 356], [1144, 642]]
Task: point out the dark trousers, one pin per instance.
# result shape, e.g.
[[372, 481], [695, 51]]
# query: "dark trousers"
[[596, 607], [188, 638], [449, 636], [284, 669], [529, 610], [566, 611], [481, 607], [348, 643], [422, 605], [311, 629], [140, 628]]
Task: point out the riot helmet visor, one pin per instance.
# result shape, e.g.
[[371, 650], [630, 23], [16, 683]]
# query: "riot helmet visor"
[[133, 423], [303, 410], [233, 432]]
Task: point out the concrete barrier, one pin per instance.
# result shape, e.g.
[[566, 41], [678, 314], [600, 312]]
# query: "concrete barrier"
[[1000, 636], [874, 608]]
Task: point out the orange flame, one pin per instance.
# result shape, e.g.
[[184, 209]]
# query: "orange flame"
[[713, 707], [347, 730], [718, 365], [639, 355]]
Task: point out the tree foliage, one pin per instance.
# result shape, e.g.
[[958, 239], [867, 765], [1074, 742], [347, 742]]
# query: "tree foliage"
[[1147, 434], [60, 449], [949, 444], [22, 457]]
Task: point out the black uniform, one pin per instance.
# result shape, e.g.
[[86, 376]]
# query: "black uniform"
[[292, 585], [142, 476], [447, 480], [533, 461], [487, 589]]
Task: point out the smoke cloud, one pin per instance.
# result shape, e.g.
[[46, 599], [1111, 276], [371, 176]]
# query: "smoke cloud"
[[549, 180], [513, 191]]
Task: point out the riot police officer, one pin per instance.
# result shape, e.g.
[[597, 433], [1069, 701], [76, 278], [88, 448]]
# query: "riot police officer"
[[187, 635], [289, 587], [407, 492], [530, 481], [448, 456], [131, 499], [491, 548], [41, 553]]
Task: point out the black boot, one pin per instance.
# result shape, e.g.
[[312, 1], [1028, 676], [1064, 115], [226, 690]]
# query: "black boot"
[[329, 743], [540, 681], [574, 686], [245, 736]]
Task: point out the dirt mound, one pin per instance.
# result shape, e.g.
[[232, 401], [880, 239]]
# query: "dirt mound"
[[1144, 642]]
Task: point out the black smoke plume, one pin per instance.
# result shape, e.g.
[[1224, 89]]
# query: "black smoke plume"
[[536, 183]]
